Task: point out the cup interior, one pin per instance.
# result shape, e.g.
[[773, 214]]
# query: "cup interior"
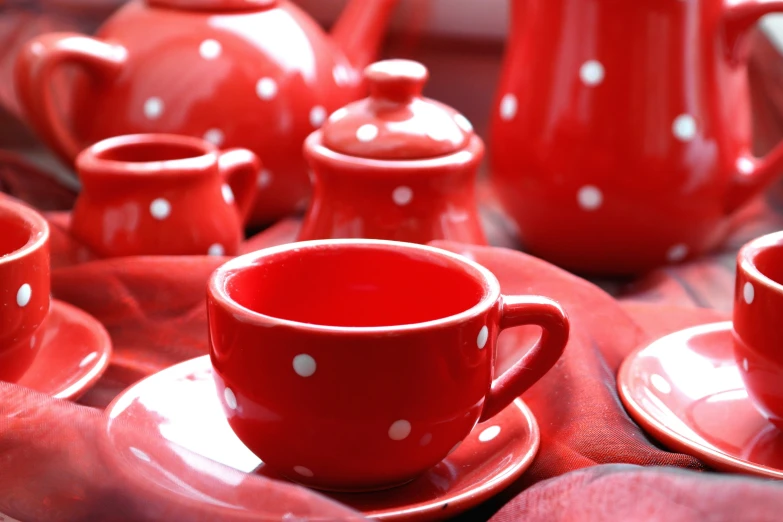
[[769, 262], [357, 286], [17, 231], [148, 151]]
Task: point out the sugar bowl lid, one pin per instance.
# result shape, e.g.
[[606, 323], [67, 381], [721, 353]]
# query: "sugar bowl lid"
[[396, 122]]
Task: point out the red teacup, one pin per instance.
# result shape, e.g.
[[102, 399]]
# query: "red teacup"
[[357, 364], [758, 311], [163, 194], [24, 286]]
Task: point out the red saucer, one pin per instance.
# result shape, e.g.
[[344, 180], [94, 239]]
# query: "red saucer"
[[686, 390], [74, 353], [180, 403]]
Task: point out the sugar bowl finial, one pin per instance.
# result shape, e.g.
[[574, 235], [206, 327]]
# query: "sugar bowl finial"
[[396, 80]]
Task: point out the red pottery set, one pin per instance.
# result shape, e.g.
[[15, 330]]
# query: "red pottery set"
[[357, 359]]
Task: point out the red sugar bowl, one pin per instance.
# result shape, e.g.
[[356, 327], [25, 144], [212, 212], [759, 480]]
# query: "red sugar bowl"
[[395, 165]]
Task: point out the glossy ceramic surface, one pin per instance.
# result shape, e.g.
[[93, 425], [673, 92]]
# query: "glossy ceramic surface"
[[758, 309], [180, 405], [686, 389], [75, 351], [614, 159], [394, 165], [311, 344], [24, 286], [239, 73], [158, 194]]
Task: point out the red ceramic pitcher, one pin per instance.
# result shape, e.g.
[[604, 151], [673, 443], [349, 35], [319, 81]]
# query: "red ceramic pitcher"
[[621, 133], [239, 73]]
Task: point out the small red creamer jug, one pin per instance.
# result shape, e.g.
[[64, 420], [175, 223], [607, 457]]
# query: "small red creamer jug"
[[163, 194]]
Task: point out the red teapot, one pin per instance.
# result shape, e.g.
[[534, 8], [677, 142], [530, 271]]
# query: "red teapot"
[[238, 73], [621, 132]]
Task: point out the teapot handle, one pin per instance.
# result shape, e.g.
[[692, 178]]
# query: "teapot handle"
[[239, 169], [34, 68], [752, 174]]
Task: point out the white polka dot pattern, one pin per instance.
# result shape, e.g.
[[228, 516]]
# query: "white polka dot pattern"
[[23, 295], [592, 73], [489, 433], [483, 335], [266, 88], [684, 127], [677, 252], [210, 49], [399, 430], [402, 196], [508, 107], [590, 197], [153, 108], [305, 472], [748, 292], [160, 208], [366, 132], [231, 399], [304, 365], [228, 194]]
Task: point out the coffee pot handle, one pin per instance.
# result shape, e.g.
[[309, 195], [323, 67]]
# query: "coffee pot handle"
[[752, 174], [240, 169], [34, 71], [520, 311]]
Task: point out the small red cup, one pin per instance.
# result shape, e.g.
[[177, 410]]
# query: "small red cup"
[[358, 364], [24, 286], [758, 313]]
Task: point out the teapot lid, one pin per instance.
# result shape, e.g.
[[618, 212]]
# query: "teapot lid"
[[396, 122]]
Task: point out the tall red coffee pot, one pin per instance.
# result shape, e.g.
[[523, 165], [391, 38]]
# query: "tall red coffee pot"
[[258, 74], [621, 131]]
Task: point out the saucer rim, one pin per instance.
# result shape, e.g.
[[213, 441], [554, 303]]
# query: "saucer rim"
[[710, 455], [422, 511], [104, 348], [474, 496]]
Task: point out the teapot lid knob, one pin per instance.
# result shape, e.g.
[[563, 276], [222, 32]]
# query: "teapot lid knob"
[[396, 80]]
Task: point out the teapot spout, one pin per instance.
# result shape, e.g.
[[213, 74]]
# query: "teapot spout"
[[360, 29]]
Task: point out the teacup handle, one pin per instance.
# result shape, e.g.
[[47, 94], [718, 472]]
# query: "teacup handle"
[[240, 168], [520, 311], [34, 69]]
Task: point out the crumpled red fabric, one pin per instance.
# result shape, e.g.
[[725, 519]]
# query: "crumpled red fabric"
[[625, 492]]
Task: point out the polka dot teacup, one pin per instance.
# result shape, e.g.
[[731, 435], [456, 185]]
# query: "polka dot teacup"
[[24, 286], [758, 314], [358, 364], [163, 194]]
